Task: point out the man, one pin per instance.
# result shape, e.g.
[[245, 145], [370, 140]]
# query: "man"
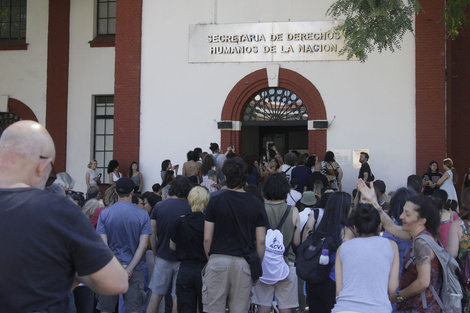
[[46, 240], [227, 214], [126, 229], [164, 217], [421, 266], [365, 173]]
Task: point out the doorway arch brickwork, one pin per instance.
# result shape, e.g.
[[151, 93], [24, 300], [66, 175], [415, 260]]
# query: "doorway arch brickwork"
[[250, 84]]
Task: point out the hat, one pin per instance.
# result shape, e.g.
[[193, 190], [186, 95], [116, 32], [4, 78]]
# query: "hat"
[[211, 173], [124, 185], [308, 198]]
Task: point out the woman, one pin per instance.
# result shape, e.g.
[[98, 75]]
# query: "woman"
[[448, 179], [321, 297], [167, 166], [136, 177], [332, 171], [447, 215], [188, 242], [430, 178], [458, 243], [92, 178], [275, 191], [168, 178], [273, 166], [192, 167], [208, 163], [113, 172], [421, 268], [366, 267]]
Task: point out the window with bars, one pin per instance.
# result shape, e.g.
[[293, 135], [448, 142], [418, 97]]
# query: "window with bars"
[[106, 24], [12, 19], [103, 134]]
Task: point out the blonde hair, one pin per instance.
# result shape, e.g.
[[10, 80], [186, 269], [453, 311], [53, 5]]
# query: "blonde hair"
[[91, 161], [110, 196], [198, 198], [90, 207], [448, 162]]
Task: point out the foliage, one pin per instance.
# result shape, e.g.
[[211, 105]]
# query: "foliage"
[[373, 23], [455, 17], [381, 24]]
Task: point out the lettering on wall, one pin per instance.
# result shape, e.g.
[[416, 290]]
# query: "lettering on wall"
[[265, 42]]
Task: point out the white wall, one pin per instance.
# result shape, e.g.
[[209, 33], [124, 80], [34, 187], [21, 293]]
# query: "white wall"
[[23, 73], [91, 72], [374, 102]]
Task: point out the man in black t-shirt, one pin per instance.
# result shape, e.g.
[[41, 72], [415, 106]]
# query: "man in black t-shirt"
[[229, 214], [47, 242], [365, 172]]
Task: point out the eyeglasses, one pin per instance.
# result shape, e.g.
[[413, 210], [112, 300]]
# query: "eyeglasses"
[[52, 176]]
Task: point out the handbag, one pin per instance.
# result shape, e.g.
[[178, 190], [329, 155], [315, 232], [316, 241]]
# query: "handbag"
[[251, 257]]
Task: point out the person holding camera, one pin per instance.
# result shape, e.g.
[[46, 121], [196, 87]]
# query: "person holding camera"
[[92, 178]]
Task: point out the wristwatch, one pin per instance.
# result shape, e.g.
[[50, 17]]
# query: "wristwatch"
[[399, 298]]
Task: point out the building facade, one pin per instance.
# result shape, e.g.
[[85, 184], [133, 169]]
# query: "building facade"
[[123, 80]]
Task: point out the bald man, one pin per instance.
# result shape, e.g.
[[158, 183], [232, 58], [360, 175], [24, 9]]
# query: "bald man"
[[47, 244]]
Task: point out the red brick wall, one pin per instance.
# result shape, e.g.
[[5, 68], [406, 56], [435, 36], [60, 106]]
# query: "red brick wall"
[[127, 82], [291, 80], [459, 100], [430, 86], [58, 77], [21, 109]]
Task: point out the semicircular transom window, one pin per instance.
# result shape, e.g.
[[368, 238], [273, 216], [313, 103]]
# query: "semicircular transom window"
[[275, 106]]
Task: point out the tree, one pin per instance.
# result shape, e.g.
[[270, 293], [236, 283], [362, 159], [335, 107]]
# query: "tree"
[[381, 24]]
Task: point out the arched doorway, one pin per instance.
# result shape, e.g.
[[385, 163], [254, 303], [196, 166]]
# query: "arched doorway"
[[288, 122], [274, 114]]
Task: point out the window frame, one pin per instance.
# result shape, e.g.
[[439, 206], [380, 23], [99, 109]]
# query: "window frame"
[[108, 101]]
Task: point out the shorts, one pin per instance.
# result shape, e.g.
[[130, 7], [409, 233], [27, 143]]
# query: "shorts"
[[226, 279], [285, 291], [164, 274], [134, 298]]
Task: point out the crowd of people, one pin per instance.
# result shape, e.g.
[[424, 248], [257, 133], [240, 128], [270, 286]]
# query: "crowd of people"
[[197, 241]]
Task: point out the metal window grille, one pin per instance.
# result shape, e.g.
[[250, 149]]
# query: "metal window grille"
[[275, 105]]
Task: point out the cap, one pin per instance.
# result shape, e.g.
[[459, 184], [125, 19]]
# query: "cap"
[[124, 185], [308, 198]]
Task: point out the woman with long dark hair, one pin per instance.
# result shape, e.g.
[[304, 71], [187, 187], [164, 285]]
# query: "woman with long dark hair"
[[332, 170], [430, 178], [420, 219], [136, 177], [113, 172], [321, 297]]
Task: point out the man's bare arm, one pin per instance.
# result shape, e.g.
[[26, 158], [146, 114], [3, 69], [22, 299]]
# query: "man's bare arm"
[[112, 279], [143, 241]]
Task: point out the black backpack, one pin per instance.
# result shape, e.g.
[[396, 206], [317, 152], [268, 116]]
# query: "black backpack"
[[308, 265]]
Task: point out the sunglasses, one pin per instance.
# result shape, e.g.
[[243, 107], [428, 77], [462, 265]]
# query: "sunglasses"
[[52, 176]]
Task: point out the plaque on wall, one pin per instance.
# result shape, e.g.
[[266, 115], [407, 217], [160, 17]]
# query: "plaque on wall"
[[265, 42]]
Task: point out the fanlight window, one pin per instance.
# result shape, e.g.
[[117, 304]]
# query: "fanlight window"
[[275, 105], [6, 119]]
